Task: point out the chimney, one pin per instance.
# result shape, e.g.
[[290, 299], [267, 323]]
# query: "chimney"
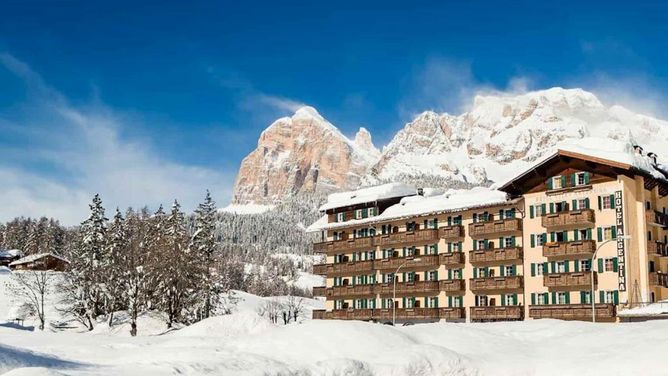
[[638, 149], [653, 157]]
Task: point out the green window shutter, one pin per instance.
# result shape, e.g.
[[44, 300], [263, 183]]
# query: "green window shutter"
[[501, 214], [531, 211], [587, 203], [544, 237], [616, 297], [545, 271], [582, 297], [450, 221], [475, 272], [566, 263], [551, 207], [615, 264], [573, 177], [486, 244], [565, 234], [554, 297], [576, 235], [533, 269], [600, 203], [449, 247], [365, 213], [502, 244], [449, 273], [612, 201], [552, 237], [475, 245], [436, 275], [503, 300], [563, 181], [513, 269], [575, 204], [514, 299], [533, 298], [449, 301], [586, 177], [403, 302], [599, 233], [501, 271], [549, 183], [553, 266], [601, 296], [614, 232], [568, 297], [533, 240], [461, 246], [543, 206], [576, 265], [589, 234], [512, 241], [600, 265], [545, 296]]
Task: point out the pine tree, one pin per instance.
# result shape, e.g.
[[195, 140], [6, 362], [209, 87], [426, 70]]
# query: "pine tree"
[[204, 245], [113, 273]]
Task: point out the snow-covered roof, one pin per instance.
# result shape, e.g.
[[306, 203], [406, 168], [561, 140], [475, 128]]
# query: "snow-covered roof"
[[451, 201], [605, 150], [37, 256], [10, 253], [370, 194]]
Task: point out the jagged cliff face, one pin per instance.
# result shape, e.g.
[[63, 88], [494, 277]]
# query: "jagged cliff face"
[[497, 138], [303, 153]]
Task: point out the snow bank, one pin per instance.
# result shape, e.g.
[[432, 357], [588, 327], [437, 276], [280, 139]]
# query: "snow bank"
[[654, 309], [370, 194]]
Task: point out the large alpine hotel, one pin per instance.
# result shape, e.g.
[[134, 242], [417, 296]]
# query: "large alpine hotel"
[[529, 249]]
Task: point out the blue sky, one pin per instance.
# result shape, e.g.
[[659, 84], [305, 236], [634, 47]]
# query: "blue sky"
[[161, 100]]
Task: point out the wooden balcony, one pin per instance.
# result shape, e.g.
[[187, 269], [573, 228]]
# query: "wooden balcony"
[[565, 250], [569, 219], [409, 288], [497, 313], [657, 249], [452, 313], [498, 227], [451, 232], [392, 263], [350, 291], [346, 245], [452, 285], [658, 279], [344, 268], [568, 280], [452, 258], [385, 314], [496, 255], [572, 311], [418, 237], [319, 291], [656, 218], [496, 283]]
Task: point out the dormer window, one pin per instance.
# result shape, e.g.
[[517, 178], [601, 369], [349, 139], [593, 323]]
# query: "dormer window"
[[358, 214], [340, 217], [581, 178], [557, 182]]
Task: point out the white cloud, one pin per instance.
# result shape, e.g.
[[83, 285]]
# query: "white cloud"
[[85, 149], [278, 103]]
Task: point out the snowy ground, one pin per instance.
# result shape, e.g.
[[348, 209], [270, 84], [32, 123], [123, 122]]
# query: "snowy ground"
[[245, 344]]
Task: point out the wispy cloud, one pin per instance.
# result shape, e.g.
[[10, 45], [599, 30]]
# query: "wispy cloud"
[[79, 151]]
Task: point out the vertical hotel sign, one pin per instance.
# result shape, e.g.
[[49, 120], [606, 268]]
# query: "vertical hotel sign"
[[621, 251]]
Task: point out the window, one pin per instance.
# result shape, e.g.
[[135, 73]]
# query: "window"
[[482, 244], [410, 302], [411, 226], [609, 233], [609, 265], [561, 298], [541, 299], [580, 178], [539, 210], [338, 281], [358, 213], [456, 301], [508, 299], [561, 267], [455, 247], [387, 253], [370, 255], [540, 268], [456, 274], [432, 275], [585, 297], [540, 239], [409, 251], [389, 278], [432, 223], [432, 302], [556, 182], [509, 270], [410, 277], [509, 242], [609, 297], [480, 217], [481, 300], [585, 265], [508, 213], [561, 206], [606, 202], [582, 203], [372, 212], [339, 304], [340, 217], [338, 235], [388, 303]]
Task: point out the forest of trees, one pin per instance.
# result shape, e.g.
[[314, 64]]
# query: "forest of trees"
[[165, 260]]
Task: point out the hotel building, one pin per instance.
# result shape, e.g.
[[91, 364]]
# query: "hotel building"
[[527, 250]]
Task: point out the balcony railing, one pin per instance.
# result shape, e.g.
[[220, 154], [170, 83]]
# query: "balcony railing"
[[498, 227], [578, 248], [496, 283], [385, 314], [345, 245], [350, 291], [417, 288], [319, 291], [497, 313], [452, 258], [567, 280], [657, 249], [426, 261], [572, 218], [658, 279], [571, 311], [408, 237], [656, 218], [452, 285], [344, 268], [451, 232], [495, 255]]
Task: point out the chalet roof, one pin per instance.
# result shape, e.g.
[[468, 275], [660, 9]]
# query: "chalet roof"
[[455, 200], [617, 155], [32, 258], [369, 194]]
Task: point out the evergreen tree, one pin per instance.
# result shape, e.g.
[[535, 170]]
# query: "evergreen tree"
[[204, 245]]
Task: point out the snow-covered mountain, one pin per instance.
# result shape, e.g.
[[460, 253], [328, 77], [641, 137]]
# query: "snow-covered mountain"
[[303, 153], [499, 136]]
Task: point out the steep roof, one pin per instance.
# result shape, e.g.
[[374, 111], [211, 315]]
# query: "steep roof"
[[369, 194], [31, 258]]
